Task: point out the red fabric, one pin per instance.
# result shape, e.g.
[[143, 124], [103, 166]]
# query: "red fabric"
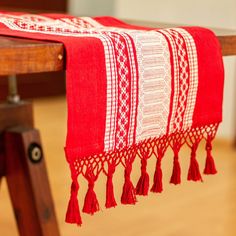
[[131, 91], [211, 77], [88, 92]]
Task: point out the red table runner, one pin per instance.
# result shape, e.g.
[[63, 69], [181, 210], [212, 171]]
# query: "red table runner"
[[132, 92]]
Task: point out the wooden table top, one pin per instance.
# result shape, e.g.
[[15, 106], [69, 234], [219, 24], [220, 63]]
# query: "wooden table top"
[[20, 56]]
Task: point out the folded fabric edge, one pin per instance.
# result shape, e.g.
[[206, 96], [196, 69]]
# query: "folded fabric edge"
[[91, 167]]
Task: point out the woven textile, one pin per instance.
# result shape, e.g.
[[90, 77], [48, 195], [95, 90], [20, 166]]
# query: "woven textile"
[[132, 92]]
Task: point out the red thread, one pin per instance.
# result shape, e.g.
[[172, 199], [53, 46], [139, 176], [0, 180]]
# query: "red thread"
[[110, 198], [157, 186], [210, 168], [73, 213], [91, 204], [194, 172], [142, 186], [157, 146], [176, 172], [128, 194]]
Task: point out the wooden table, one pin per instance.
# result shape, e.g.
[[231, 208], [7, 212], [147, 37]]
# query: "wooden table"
[[21, 154]]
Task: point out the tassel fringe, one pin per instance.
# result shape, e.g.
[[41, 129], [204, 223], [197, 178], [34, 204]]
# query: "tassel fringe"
[[73, 213], [143, 183], [110, 198], [210, 168], [91, 204], [157, 186], [194, 172], [128, 195], [176, 173], [107, 162]]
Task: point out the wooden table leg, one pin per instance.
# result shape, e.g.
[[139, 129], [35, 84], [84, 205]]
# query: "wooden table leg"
[[22, 163], [28, 183]]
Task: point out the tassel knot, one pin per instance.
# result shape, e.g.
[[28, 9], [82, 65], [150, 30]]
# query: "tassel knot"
[[91, 204], [210, 168], [91, 185], [110, 198], [111, 171], [143, 183], [128, 194], [193, 172], [144, 165], [128, 170], [208, 145], [73, 213], [176, 172]]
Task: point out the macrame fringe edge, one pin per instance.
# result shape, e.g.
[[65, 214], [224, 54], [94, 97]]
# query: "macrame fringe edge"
[[91, 167]]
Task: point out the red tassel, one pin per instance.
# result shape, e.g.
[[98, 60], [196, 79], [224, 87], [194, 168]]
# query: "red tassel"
[[193, 172], [73, 213], [176, 173], [157, 179], [210, 168], [143, 183], [128, 195], [91, 204], [110, 198]]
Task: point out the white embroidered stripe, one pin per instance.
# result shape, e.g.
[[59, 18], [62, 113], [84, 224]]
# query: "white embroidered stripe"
[[123, 84], [184, 82], [154, 84], [77, 22], [111, 107], [193, 76], [133, 88], [188, 81], [175, 79], [48, 26], [133, 83], [92, 22]]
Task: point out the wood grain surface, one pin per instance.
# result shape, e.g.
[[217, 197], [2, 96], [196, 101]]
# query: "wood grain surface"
[[19, 56]]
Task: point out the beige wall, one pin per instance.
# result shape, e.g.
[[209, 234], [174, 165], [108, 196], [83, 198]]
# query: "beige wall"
[[213, 13], [217, 13], [91, 7]]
